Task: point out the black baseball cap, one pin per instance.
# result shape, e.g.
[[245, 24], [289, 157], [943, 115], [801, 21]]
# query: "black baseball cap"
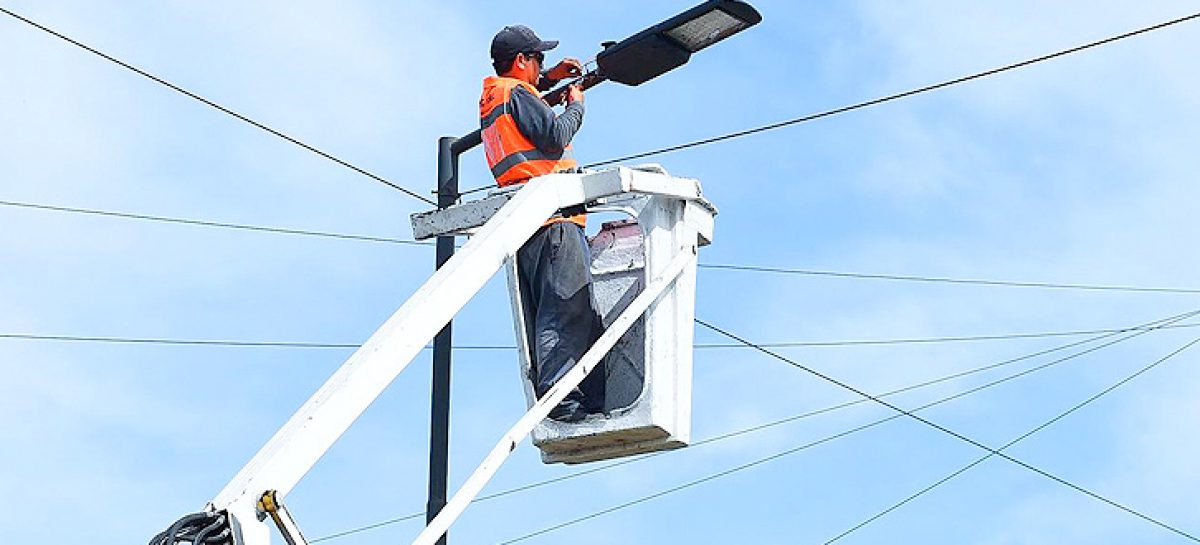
[[515, 39]]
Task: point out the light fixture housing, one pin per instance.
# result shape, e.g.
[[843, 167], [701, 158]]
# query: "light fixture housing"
[[670, 44]]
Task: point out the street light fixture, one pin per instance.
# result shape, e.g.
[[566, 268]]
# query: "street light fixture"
[[667, 45]]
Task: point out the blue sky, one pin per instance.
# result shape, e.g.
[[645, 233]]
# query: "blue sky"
[[1078, 170]]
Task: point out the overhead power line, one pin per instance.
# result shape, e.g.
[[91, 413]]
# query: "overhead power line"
[[912, 278], [1142, 329], [206, 223], [936, 340], [991, 451], [485, 347], [1022, 437], [214, 105], [897, 96], [174, 342], [713, 266], [660, 151]]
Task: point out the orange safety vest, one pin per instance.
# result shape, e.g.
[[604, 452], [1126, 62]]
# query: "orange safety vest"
[[511, 156]]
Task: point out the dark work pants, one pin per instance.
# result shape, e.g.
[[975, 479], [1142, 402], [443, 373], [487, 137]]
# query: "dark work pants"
[[554, 273]]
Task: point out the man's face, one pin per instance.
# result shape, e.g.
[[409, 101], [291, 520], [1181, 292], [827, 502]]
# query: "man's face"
[[533, 67]]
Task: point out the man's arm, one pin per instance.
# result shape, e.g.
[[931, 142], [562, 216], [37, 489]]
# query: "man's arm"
[[568, 68], [536, 120]]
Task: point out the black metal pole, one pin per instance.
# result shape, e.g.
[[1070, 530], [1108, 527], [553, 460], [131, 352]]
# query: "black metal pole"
[[439, 419]]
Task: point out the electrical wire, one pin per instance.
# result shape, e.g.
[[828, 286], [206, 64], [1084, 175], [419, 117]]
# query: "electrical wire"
[[877, 101], [484, 347], [1143, 328], [361, 529], [943, 429], [713, 266], [205, 223], [897, 96], [476, 190], [910, 278], [175, 342], [932, 340], [1024, 436], [214, 105], [660, 151]]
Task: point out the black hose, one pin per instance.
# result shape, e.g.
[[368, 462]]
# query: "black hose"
[[169, 537], [203, 534], [191, 528], [222, 537], [158, 538]]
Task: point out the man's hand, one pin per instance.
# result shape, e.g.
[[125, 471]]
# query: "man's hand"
[[574, 94], [568, 68]]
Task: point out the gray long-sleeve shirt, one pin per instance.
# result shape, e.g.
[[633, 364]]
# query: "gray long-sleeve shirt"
[[549, 132]]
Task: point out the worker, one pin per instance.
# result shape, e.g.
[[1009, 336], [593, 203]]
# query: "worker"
[[524, 138]]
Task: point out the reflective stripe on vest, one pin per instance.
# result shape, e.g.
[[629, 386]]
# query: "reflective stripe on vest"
[[511, 156]]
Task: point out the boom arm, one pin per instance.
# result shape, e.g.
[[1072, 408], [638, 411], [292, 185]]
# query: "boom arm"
[[312, 430]]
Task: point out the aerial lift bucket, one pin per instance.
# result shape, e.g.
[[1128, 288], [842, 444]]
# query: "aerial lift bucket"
[[648, 374]]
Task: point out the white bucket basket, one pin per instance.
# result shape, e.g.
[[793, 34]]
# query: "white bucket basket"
[[649, 372]]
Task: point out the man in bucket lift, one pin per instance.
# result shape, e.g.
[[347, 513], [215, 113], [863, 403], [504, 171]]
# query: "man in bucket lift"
[[523, 138]]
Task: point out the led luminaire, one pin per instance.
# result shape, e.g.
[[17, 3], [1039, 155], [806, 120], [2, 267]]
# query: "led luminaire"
[[669, 44], [706, 30]]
